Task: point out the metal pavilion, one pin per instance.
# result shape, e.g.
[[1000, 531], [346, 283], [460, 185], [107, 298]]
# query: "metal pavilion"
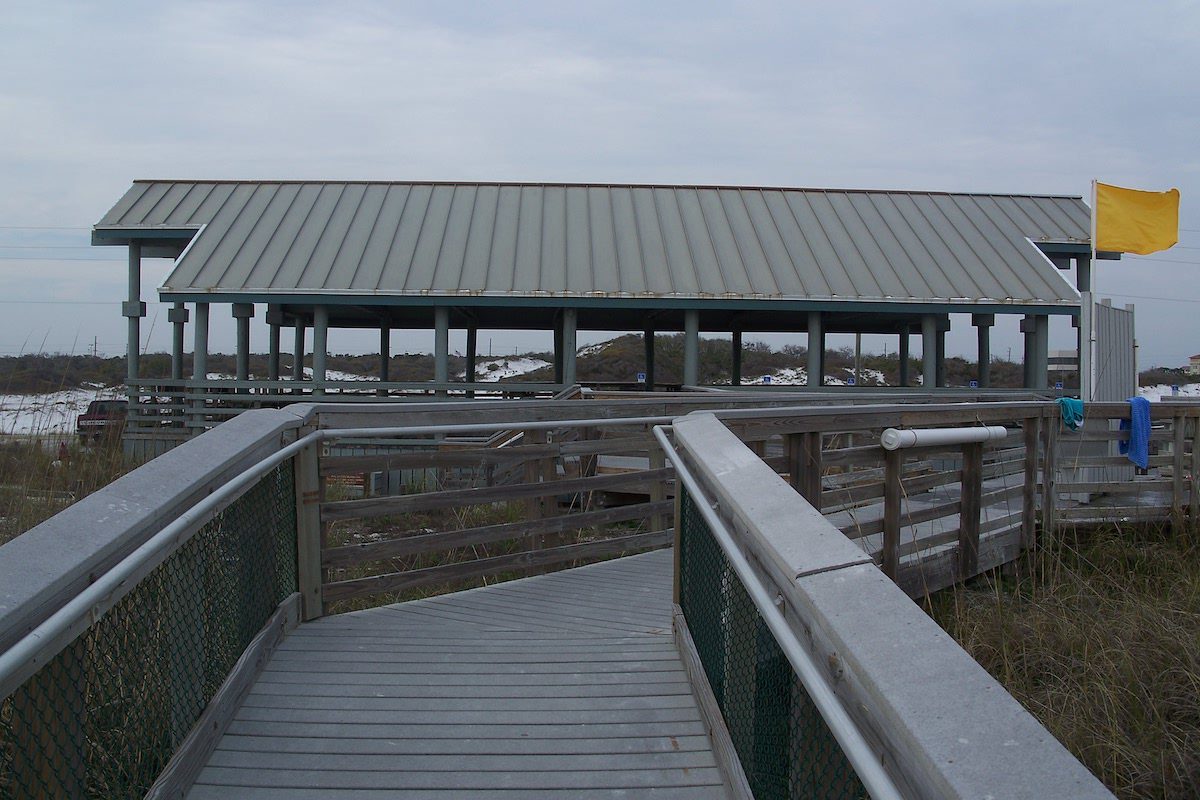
[[571, 257]]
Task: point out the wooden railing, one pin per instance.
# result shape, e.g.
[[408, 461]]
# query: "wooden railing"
[[508, 505]]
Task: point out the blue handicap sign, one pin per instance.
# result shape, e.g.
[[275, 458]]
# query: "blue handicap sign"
[[641, 377], [850, 381], [974, 384], [1058, 384], [766, 378]]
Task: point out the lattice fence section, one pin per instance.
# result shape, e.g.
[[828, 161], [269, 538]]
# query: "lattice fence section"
[[105, 715], [783, 743]]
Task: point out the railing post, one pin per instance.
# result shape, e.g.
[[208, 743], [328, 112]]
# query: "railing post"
[[804, 465], [1049, 434], [534, 506], [1179, 426], [893, 465], [968, 517], [1029, 497], [658, 489], [1195, 488], [308, 530]]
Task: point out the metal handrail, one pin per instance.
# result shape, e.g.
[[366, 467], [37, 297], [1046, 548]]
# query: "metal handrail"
[[860, 754]]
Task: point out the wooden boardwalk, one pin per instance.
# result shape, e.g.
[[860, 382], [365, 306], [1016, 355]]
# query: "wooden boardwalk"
[[561, 685]]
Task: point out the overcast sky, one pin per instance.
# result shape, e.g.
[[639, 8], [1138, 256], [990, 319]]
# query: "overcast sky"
[[1007, 96]]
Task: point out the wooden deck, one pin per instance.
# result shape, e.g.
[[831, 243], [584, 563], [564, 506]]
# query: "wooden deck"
[[561, 685]]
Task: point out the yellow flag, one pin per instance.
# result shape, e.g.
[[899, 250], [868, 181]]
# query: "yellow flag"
[[1133, 221]]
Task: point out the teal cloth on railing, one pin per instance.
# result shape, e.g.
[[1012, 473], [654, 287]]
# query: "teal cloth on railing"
[[1071, 409], [1138, 425]]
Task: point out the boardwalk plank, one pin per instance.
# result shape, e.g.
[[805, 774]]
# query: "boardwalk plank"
[[566, 685]]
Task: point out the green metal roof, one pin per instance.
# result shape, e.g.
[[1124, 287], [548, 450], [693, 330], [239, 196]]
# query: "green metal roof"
[[275, 240]]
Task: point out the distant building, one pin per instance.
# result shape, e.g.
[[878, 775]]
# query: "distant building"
[[1193, 367]]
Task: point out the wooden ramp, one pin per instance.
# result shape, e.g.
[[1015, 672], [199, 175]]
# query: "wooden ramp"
[[561, 685]]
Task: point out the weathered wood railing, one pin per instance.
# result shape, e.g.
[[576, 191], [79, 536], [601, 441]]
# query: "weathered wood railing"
[[544, 497]]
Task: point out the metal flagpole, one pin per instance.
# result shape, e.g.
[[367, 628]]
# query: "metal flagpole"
[[1088, 365]]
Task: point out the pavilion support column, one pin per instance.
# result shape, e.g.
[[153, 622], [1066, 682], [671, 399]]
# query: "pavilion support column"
[[569, 344], [1041, 323], [298, 351], [736, 371], [816, 349], [242, 314], [177, 315], [983, 328], [929, 337], [133, 310], [320, 348], [858, 358], [472, 348], [1029, 328], [275, 321], [904, 356], [691, 347], [385, 355], [199, 365], [441, 347], [648, 344], [558, 348], [942, 330]]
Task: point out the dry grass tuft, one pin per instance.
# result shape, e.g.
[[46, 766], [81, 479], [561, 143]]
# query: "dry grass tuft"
[[1100, 639]]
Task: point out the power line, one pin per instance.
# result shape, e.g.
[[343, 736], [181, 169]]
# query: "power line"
[[1151, 297], [1162, 260], [65, 258], [42, 228]]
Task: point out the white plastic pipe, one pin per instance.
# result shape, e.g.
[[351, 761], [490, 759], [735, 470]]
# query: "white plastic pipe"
[[895, 439]]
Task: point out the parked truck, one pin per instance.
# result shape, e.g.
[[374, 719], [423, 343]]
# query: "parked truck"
[[103, 419]]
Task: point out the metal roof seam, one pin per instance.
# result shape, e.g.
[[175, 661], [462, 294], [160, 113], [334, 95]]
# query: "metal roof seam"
[[757, 241], [223, 231], [254, 259]]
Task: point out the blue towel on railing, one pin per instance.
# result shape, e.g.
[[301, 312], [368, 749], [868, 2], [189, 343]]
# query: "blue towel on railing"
[[1071, 409], [1138, 425]]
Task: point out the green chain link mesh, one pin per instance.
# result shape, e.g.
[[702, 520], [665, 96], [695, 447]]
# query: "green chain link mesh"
[[785, 746], [105, 715]]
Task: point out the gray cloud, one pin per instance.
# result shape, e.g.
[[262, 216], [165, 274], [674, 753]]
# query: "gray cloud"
[[990, 96]]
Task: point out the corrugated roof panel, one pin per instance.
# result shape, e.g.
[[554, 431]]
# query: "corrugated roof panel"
[[553, 256], [681, 264], [605, 271], [527, 267], [963, 272], [502, 262], [651, 234], [350, 255], [760, 278], [905, 253], [785, 277], [394, 277], [478, 250], [699, 243], [627, 242], [812, 279], [448, 266], [577, 239], [140, 211], [248, 267], [730, 265]]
